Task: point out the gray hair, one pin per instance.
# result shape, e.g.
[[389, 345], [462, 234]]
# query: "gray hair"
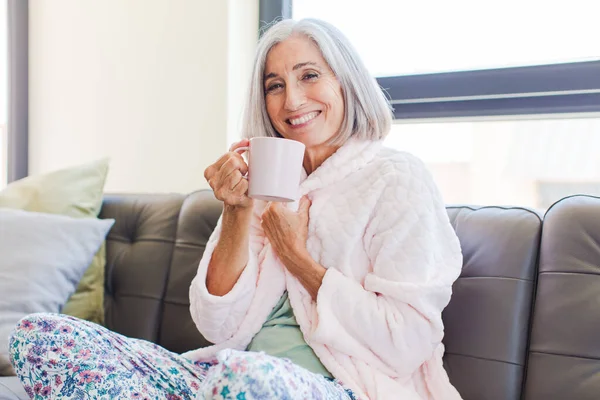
[[367, 114]]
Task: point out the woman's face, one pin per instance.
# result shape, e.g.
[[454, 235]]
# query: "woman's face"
[[303, 97]]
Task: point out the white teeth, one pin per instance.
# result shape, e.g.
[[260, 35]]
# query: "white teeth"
[[304, 118]]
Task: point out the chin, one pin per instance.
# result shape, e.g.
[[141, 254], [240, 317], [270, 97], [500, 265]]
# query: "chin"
[[308, 137], [302, 136]]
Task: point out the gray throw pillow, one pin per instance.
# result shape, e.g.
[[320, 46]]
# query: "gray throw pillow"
[[42, 258]]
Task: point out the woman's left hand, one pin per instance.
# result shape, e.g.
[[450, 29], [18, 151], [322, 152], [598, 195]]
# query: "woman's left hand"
[[287, 230]]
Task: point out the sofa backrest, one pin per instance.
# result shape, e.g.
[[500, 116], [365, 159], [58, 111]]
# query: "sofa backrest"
[[152, 255], [157, 241], [564, 354], [487, 320]]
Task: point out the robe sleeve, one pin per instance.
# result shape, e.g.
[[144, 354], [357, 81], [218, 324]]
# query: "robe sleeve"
[[218, 317]]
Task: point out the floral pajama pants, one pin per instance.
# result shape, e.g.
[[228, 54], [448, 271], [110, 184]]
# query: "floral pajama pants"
[[61, 357]]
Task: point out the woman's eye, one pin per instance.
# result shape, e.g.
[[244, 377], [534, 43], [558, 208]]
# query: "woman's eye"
[[274, 86], [310, 76]]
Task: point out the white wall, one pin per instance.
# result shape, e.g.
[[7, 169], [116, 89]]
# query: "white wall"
[[243, 35], [147, 83]]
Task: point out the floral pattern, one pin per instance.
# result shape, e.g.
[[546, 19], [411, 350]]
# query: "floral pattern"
[[242, 375], [62, 357]]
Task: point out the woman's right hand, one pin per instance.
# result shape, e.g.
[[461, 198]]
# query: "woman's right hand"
[[230, 255], [226, 178]]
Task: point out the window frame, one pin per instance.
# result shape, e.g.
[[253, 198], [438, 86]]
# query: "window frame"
[[17, 127], [531, 90]]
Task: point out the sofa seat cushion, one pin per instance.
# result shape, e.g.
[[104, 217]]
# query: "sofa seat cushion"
[[12, 389]]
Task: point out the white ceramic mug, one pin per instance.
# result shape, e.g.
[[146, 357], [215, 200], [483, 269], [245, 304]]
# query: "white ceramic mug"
[[274, 168]]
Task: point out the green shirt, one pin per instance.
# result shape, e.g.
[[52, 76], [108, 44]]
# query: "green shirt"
[[280, 336]]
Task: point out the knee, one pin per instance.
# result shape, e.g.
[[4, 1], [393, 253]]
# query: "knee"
[[31, 329], [35, 324], [250, 365], [240, 371]]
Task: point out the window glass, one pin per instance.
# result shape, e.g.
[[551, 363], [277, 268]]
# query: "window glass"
[[530, 163], [3, 90], [398, 37]]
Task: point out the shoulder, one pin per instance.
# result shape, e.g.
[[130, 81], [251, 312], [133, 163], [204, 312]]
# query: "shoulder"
[[406, 182], [400, 167]]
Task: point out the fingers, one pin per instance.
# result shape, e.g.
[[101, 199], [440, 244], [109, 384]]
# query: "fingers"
[[241, 188], [226, 178], [304, 205], [241, 143], [214, 168], [230, 181], [229, 186], [266, 210], [235, 162], [273, 207], [217, 173], [265, 214], [270, 210], [230, 174]]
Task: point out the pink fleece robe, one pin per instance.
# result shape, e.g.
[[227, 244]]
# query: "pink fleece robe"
[[380, 227]]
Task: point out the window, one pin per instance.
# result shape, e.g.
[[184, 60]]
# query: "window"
[[472, 58], [530, 163], [3, 92], [500, 100], [14, 82]]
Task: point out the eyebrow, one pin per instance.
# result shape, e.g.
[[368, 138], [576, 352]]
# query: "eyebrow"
[[296, 67]]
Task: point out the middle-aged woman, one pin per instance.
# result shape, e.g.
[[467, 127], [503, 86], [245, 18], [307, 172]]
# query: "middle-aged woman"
[[337, 297], [351, 284]]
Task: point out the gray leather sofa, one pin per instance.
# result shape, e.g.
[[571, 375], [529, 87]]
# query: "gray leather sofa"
[[523, 322]]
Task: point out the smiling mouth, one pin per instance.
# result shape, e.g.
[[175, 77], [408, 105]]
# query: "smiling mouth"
[[303, 119]]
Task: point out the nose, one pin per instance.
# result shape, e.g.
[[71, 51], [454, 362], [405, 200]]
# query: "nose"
[[294, 97]]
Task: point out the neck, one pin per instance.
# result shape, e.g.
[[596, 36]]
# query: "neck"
[[314, 157]]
